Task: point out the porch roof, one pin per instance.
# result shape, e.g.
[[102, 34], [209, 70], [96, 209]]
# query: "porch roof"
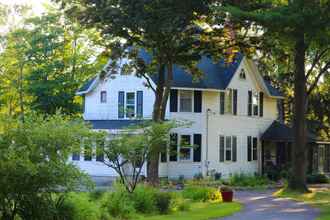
[[279, 132]]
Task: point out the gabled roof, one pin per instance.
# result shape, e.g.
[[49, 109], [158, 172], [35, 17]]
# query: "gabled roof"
[[279, 132], [215, 76], [87, 86]]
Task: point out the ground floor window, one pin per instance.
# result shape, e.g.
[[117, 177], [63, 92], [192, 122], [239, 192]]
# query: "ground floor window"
[[228, 148], [185, 148], [252, 148]]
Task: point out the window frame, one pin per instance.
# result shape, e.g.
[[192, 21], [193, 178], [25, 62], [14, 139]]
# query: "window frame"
[[254, 148], [242, 73], [255, 94], [184, 147], [103, 96], [130, 105], [227, 93], [192, 101], [226, 148]]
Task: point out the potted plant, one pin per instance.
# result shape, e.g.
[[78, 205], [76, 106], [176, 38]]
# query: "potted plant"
[[226, 193]]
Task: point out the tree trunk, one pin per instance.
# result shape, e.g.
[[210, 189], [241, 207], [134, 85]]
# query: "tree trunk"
[[153, 159], [162, 94], [297, 181]]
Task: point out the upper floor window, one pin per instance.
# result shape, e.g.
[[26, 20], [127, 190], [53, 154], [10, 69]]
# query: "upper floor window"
[[255, 103], [103, 96], [130, 104], [228, 148], [186, 101], [228, 102], [242, 74]]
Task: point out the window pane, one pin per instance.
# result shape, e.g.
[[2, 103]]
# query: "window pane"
[[88, 153], [228, 148], [229, 101], [76, 155], [255, 102], [130, 98], [185, 153], [103, 97], [185, 141], [130, 111], [185, 101], [255, 149]]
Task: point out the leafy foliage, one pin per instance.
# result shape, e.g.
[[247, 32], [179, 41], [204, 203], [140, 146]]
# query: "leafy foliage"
[[33, 164]]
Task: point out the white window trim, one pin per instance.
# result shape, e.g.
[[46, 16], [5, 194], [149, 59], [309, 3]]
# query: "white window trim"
[[252, 148], [192, 101], [240, 72], [232, 102], [191, 148], [106, 96], [258, 103], [231, 148], [125, 104]]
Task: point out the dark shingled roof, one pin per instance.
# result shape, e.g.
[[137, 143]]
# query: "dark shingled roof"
[[86, 86], [215, 75], [280, 132], [114, 124], [273, 91]]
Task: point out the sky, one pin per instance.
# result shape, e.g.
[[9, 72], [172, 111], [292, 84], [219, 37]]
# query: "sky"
[[37, 5]]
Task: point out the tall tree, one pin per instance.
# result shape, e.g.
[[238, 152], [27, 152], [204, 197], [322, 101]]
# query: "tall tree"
[[44, 61], [172, 32], [303, 26]]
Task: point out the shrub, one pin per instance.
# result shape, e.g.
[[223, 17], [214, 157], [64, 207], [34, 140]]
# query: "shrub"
[[201, 194], [178, 203], [163, 202], [96, 194], [81, 207], [248, 180], [119, 204], [198, 176], [317, 178], [144, 199]]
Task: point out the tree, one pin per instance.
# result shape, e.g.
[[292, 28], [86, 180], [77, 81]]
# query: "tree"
[[302, 26], [128, 152], [43, 63], [171, 32], [33, 164]]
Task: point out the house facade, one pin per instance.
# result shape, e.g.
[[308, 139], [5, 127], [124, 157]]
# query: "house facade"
[[229, 109]]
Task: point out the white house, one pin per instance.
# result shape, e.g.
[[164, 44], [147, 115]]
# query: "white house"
[[230, 109]]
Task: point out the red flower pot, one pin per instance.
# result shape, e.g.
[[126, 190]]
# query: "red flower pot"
[[227, 196]]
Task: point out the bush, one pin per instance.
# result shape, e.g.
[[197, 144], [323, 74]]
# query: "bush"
[[317, 178], [81, 207], [198, 176], [119, 204], [144, 199], [248, 180], [201, 194], [178, 203], [96, 194], [163, 202]]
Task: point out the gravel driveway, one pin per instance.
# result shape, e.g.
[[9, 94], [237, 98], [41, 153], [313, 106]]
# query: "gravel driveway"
[[263, 206]]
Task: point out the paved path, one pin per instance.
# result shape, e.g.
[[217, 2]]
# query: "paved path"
[[263, 206]]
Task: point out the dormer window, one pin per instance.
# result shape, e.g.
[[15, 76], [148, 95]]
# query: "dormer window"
[[103, 97], [242, 74]]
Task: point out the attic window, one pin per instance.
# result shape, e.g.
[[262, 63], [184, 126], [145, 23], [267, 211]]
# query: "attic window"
[[242, 74]]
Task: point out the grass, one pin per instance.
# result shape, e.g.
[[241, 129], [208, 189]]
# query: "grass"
[[199, 211], [318, 198]]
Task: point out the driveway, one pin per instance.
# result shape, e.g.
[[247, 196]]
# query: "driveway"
[[263, 206]]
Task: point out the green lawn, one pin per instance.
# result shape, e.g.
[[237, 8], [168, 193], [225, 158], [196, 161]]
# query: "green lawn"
[[318, 198], [199, 211]]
